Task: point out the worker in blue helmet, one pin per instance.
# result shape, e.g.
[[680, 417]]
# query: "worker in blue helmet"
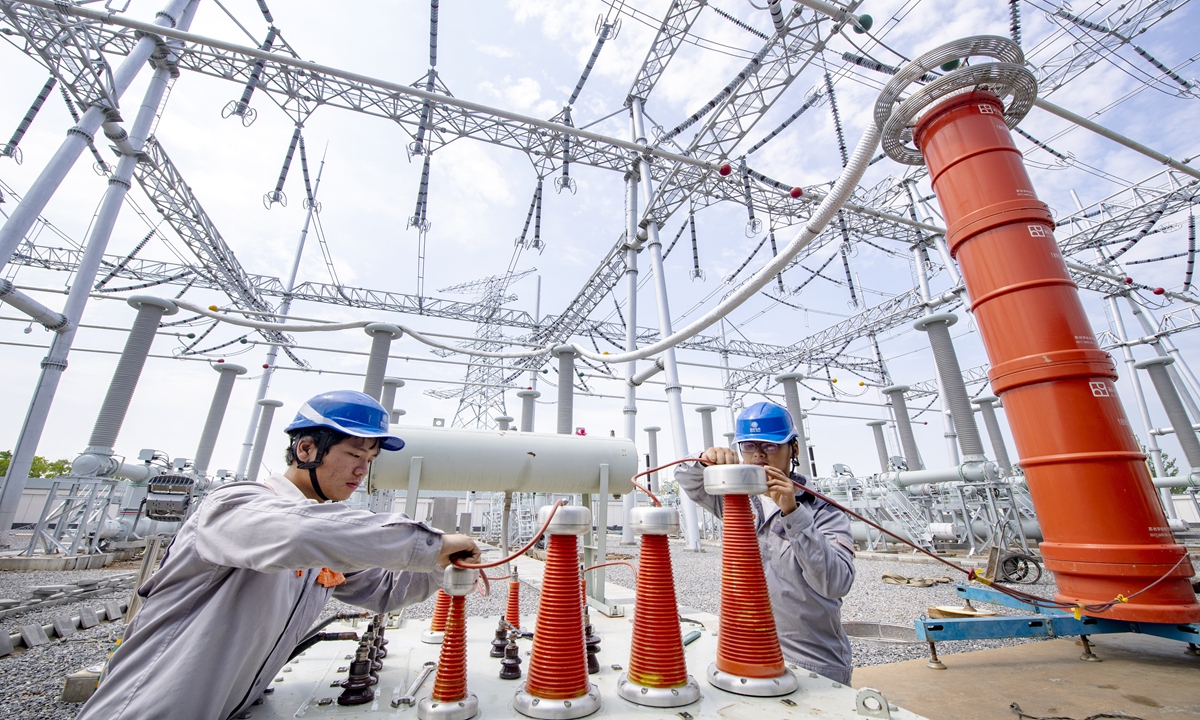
[[807, 549], [249, 573]]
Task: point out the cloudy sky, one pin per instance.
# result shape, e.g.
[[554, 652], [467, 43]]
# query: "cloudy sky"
[[525, 56]]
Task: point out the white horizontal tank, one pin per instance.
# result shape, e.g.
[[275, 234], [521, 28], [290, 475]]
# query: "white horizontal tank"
[[501, 461]]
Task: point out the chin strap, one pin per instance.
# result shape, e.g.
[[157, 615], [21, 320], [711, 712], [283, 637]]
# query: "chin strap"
[[312, 476]]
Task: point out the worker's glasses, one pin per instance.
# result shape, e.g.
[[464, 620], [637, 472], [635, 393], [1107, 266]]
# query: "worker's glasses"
[[750, 446]]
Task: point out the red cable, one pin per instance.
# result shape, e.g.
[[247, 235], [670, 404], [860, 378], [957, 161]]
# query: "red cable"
[[747, 644], [480, 566], [558, 666], [654, 470], [626, 563], [656, 656], [450, 684], [440, 610]]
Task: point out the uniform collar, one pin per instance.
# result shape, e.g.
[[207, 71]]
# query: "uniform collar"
[[284, 488]]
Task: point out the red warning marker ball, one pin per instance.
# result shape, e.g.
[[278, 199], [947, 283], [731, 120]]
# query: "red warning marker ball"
[[1159, 291], [266, 366], [796, 192], [220, 360], [725, 169], [1128, 281]]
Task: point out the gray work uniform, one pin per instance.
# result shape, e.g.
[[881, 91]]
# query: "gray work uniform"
[[808, 559], [238, 590]]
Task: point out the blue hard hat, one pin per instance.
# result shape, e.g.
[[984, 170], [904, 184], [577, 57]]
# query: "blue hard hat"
[[349, 412], [766, 422]]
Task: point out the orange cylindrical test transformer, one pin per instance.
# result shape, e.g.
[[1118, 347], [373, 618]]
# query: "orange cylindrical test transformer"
[[1105, 531]]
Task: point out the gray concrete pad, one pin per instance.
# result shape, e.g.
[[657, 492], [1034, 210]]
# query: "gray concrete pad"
[[1142, 676]]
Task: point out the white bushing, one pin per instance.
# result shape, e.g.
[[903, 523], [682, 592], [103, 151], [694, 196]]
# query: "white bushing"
[[459, 581], [654, 521], [569, 520], [735, 480]]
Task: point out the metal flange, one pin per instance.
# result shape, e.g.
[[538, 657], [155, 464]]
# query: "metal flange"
[[465, 709], [735, 480], [544, 709], [784, 684], [1008, 78], [637, 694]]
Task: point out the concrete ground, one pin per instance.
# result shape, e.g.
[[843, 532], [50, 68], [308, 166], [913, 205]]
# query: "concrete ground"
[[1140, 676]]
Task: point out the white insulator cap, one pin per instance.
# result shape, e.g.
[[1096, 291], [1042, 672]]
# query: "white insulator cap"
[[735, 480], [459, 581], [654, 521], [569, 520]]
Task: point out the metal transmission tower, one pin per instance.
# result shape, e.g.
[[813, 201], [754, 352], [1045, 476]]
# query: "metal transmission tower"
[[1095, 35], [481, 398]]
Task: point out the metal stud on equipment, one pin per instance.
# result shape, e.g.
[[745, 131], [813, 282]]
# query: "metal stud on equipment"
[[749, 659], [557, 686], [657, 672], [450, 699]]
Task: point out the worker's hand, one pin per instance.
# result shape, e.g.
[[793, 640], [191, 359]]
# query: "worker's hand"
[[458, 547], [720, 456], [780, 489]]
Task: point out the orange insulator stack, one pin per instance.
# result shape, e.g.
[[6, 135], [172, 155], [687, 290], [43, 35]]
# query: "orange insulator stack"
[[1105, 531], [437, 626], [512, 614], [557, 684], [657, 674], [749, 659], [450, 699]]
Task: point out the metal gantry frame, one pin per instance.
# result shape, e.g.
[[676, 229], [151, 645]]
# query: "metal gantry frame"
[[671, 172]]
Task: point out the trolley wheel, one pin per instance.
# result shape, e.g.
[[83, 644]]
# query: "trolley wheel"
[[1020, 568]]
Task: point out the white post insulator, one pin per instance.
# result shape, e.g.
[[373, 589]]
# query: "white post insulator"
[[706, 424], [1156, 368], [566, 388], [388, 398], [652, 451], [503, 422], [946, 360], [382, 335], [129, 370], [216, 415], [528, 407], [987, 408], [880, 443], [260, 440], [908, 443]]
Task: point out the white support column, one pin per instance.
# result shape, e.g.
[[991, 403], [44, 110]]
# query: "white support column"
[[1139, 395], [632, 245], [691, 531], [55, 362]]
